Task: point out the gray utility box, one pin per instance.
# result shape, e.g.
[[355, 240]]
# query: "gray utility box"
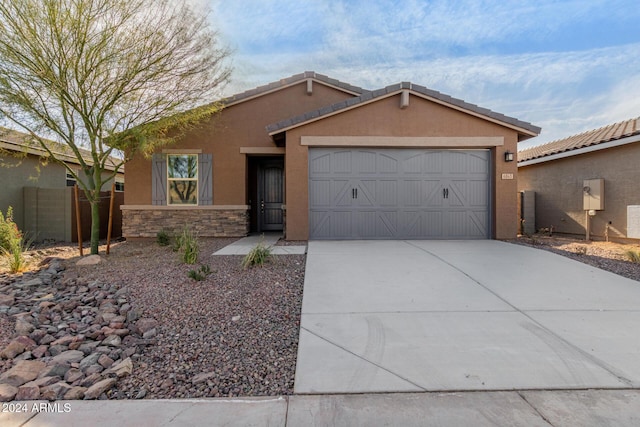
[[593, 194]]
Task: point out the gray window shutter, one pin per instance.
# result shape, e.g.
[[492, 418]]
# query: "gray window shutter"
[[205, 181], [159, 179]]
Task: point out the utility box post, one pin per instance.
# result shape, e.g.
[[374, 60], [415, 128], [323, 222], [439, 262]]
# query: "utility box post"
[[592, 201], [593, 194]]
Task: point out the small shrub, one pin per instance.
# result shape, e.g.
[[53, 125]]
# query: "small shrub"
[[258, 256], [163, 238], [633, 256], [15, 254], [187, 242], [581, 250], [199, 274], [9, 233]]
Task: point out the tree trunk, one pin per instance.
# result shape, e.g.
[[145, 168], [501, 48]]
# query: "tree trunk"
[[95, 225]]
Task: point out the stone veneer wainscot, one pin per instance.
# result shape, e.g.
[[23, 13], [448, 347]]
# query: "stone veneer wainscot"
[[205, 221]]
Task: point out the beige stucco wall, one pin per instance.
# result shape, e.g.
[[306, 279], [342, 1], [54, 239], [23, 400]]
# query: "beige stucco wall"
[[239, 125], [558, 186], [386, 118]]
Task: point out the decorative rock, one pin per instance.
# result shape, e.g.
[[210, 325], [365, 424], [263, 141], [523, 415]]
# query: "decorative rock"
[[22, 372], [65, 340], [39, 351], [55, 350], [93, 369], [112, 340], [91, 359], [89, 260], [98, 388], [13, 349], [73, 375], [122, 368], [202, 377], [30, 283], [146, 324], [28, 391], [76, 393], [88, 347], [90, 380], [151, 333], [105, 361], [59, 390], [7, 392], [69, 356], [47, 339], [23, 327], [7, 300], [57, 370], [132, 315]]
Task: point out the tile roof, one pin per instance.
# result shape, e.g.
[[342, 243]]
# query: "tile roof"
[[393, 89], [585, 139], [18, 141], [260, 90]]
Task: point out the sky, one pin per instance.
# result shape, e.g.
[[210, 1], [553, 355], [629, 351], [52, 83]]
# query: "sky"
[[566, 66]]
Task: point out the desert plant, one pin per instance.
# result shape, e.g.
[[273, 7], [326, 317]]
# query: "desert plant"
[[163, 238], [9, 233], [257, 256], [15, 254], [581, 250], [187, 242], [199, 274], [633, 256]]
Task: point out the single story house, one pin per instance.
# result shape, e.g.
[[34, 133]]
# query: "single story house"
[[321, 159], [40, 190], [562, 174]]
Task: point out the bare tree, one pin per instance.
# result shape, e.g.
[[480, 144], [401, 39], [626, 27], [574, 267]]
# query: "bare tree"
[[110, 76]]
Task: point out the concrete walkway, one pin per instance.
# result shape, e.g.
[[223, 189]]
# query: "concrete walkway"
[[411, 316], [243, 246], [600, 408]]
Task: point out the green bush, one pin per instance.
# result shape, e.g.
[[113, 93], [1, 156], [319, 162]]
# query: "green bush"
[[187, 242], [258, 256], [163, 238], [199, 274], [12, 243], [15, 254], [9, 233], [634, 256]]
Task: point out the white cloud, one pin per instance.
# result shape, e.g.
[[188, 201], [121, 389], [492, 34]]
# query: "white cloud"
[[374, 44]]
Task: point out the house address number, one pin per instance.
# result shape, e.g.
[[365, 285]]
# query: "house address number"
[[507, 176]]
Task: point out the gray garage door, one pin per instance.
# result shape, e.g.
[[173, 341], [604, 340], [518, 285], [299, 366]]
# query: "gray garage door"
[[398, 194]]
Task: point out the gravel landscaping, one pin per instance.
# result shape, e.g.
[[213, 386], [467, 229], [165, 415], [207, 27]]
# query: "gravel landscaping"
[[235, 333], [608, 256], [136, 326]]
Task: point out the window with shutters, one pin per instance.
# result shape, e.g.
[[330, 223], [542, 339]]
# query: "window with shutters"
[[182, 179]]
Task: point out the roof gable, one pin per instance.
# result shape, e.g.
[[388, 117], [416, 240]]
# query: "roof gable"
[[525, 129], [591, 138], [290, 81]]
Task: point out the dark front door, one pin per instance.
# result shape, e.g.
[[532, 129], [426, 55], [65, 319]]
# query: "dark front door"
[[270, 194]]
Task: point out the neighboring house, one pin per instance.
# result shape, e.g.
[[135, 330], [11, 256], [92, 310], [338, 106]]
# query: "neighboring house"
[[322, 159], [40, 190], [557, 172]]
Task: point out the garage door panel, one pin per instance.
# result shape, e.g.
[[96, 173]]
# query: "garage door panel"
[[457, 164], [387, 193], [478, 195], [399, 193], [365, 163], [387, 164]]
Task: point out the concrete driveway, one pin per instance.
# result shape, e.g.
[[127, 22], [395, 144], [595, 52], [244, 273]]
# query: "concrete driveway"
[[384, 316]]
